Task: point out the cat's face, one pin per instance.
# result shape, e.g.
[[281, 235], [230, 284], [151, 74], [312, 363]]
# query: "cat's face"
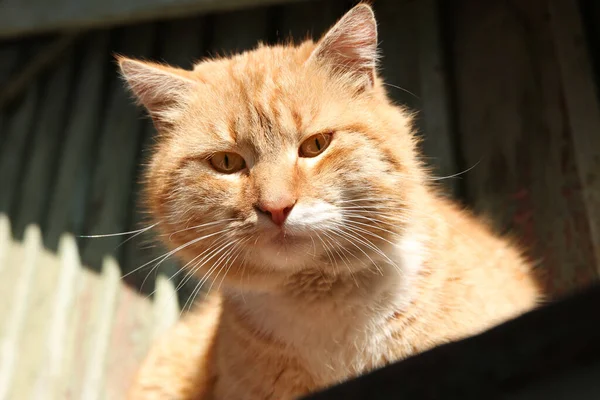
[[279, 159]]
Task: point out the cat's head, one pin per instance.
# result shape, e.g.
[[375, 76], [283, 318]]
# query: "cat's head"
[[279, 159]]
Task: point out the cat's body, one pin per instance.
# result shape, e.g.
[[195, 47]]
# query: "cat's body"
[[287, 176], [285, 359]]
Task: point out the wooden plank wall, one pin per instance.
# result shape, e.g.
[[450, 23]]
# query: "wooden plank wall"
[[517, 121], [502, 89]]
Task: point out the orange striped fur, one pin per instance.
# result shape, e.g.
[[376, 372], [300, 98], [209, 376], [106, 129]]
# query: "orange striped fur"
[[371, 265]]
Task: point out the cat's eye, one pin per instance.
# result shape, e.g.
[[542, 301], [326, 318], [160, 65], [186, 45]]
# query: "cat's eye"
[[315, 145], [227, 163]]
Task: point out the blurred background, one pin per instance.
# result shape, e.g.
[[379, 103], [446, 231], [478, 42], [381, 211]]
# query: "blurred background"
[[506, 94]]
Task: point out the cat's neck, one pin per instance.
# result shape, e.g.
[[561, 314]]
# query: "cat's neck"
[[316, 309]]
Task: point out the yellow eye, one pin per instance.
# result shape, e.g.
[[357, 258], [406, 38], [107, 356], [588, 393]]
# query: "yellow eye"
[[315, 145], [227, 163]]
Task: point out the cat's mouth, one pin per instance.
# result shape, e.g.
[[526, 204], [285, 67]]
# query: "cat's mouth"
[[285, 239], [285, 249]]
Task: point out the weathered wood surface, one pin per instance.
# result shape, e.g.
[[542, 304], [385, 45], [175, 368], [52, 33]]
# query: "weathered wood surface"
[[45, 147], [65, 220], [439, 143], [10, 54], [300, 21], [69, 194], [513, 123], [19, 18], [415, 74], [46, 57], [12, 153], [251, 28], [581, 99]]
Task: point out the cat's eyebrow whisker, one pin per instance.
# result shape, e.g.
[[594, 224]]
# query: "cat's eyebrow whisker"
[[439, 178], [404, 90]]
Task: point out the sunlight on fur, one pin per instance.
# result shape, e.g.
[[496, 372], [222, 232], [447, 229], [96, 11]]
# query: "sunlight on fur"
[[287, 181]]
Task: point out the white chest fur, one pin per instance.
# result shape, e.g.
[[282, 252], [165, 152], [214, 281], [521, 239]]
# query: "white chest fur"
[[342, 333]]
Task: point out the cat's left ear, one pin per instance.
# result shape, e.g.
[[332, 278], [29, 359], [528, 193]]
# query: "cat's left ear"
[[161, 89], [350, 46]]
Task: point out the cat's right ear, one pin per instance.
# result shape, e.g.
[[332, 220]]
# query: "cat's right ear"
[[160, 89], [350, 46]]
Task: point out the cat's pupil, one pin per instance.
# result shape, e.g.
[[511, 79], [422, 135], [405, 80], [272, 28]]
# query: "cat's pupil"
[[318, 144], [226, 161]]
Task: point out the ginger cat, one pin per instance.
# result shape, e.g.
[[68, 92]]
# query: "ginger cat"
[[287, 178]]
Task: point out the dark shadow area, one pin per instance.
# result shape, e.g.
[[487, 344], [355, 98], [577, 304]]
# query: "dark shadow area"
[[531, 357], [590, 13], [514, 128]]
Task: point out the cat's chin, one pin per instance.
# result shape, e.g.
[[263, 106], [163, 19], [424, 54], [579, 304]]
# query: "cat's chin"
[[281, 249]]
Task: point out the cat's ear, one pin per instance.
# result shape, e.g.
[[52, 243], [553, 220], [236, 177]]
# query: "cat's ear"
[[160, 89], [350, 46]]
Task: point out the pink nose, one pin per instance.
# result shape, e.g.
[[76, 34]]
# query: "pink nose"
[[278, 211]]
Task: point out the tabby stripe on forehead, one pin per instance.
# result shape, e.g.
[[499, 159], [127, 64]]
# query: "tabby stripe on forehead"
[[274, 102], [245, 97], [232, 128], [263, 118], [297, 120]]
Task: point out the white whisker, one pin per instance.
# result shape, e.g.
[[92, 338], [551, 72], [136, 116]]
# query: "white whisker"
[[183, 246], [136, 232], [202, 226], [342, 234]]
